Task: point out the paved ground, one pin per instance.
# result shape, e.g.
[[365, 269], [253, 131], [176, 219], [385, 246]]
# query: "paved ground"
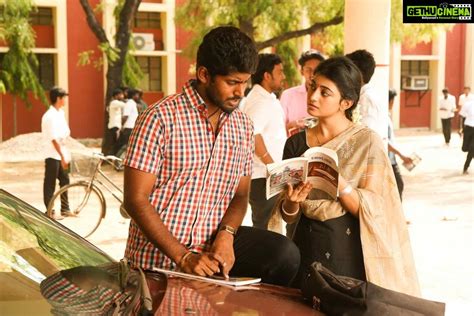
[[438, 203]]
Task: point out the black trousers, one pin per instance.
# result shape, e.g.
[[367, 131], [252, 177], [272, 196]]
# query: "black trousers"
[[261, 207], [398, 178], [123, 139], [468, 145], [265, 254], [52, 171], [446, 129]]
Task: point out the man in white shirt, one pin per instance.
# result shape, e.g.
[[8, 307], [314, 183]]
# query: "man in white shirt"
[[130, 114], [56, 130], [373, 114], [114, 125], [467, 111], [265, 110], [463, 98], [446, 107]]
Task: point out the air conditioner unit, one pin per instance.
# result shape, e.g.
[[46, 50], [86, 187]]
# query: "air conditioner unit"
[[143, 41], [415, 83]]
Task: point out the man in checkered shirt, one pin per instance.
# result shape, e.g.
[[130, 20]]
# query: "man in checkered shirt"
[[188, 170]]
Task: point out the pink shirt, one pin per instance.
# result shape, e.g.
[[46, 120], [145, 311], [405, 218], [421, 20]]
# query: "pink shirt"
[[294, 103]]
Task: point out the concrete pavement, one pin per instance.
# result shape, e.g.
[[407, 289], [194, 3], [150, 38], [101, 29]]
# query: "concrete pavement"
[[438, 203]]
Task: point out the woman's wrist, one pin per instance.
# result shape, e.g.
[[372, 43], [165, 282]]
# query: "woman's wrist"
[[289, 211], [347, 190]]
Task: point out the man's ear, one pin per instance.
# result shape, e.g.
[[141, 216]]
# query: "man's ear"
[[202, 74]]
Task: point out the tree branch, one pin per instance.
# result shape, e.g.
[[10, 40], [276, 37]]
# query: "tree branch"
[[93, 23], [316, 27], [124, 27]]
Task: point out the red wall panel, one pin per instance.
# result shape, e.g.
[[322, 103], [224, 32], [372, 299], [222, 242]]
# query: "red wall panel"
[[418, 49], [44, 36], [86, 83], [415, 108]]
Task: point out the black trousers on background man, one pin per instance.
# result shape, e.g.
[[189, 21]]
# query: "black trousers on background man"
[[53, 171], [398, 178], [261, 207], [446, 129]]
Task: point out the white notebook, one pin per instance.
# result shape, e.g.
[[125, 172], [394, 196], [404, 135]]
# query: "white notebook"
[[234, 281]]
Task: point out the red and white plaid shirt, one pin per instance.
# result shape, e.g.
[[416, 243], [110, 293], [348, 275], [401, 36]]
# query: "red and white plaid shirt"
[[197, 172]]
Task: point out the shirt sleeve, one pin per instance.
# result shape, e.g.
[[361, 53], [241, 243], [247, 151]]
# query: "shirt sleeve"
[[127, 109], [248, 164], [285, 104], [259, 115], [147, 142]]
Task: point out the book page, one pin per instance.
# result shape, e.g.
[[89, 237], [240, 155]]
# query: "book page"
[[291, 171], [323, 172], [216, 279]]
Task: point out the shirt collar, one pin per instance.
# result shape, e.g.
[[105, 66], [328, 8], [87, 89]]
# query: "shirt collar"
[[262, 91], [195, 99]]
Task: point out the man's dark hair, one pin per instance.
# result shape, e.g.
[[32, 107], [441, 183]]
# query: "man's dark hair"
[[132, 92], [346, 76], [266, 63], [365, 61], [55, 93], [308, 55], [392, 93], [226, 49], [116, 92]]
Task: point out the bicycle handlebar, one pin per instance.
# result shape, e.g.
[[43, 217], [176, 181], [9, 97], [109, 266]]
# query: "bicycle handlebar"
[[108, 157]]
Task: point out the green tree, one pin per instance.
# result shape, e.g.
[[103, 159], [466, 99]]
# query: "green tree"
[[121, 66], [278, 24], [18, 74]]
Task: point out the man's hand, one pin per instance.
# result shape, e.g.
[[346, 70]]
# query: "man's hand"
[[64, 163], [223, 251], [406, 160], [203, 264]]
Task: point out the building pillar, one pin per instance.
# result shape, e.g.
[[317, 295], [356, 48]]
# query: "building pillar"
[[437, 77], [395, 80], [60, 30], [367, 26], [469, 57]]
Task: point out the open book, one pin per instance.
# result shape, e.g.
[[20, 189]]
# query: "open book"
[[318, 165], [216, 279]]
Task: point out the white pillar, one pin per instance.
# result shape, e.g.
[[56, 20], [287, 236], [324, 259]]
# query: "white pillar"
[[367, 26], [60, 31], [469, 59], [437, 77], [395, 82]]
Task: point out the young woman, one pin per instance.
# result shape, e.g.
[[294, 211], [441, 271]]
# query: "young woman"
[[363, 233]]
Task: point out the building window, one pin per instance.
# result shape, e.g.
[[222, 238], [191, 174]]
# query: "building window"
[[43, 16], [151, 68], [45, 70], [415, 68], [147, 20]]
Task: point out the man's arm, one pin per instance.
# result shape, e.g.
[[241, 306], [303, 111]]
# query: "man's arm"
[[261, 150], [223, 244], [138, 186], [64, 163]]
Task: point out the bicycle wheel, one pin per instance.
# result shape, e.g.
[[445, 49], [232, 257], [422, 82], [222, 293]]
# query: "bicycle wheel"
[[86, 206]]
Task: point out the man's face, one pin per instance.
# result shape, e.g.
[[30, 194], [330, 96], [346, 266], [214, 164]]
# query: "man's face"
[[277, 77], [226, 91], [308, 69]]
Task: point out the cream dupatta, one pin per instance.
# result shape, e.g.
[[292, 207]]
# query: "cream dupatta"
[[386, 247]]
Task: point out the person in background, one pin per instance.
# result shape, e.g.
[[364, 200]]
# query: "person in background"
[[392, 148], [129, 117], [188, 170], [447, 108], [372, 113], [141, 104], [467, 111], [264, 109], [463, 98], [362, 234], [114, 125], [56, 130], [293, 100]]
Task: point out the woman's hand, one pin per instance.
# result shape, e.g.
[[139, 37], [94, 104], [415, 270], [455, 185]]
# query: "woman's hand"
[[293, 197]]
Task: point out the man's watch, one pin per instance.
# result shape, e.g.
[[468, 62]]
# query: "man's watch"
[[231, 230]]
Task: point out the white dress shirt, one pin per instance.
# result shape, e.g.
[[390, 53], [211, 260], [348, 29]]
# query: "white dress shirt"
[[54, 127], [372, 112], [463, 98], [268, 119], [131, 111], [468, 112], [115, 114], [447, 106]]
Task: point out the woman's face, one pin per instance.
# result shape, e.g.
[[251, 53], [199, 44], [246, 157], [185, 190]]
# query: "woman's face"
[[324, 98]]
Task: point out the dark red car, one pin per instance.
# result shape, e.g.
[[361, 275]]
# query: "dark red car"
[[46, 269]]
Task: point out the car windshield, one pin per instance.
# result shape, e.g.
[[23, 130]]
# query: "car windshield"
[[34, 248]]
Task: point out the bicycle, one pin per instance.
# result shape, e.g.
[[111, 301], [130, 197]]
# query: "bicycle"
[[84, 199]]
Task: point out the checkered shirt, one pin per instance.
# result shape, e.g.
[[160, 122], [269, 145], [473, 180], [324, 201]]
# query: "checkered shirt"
[[197, 172]]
